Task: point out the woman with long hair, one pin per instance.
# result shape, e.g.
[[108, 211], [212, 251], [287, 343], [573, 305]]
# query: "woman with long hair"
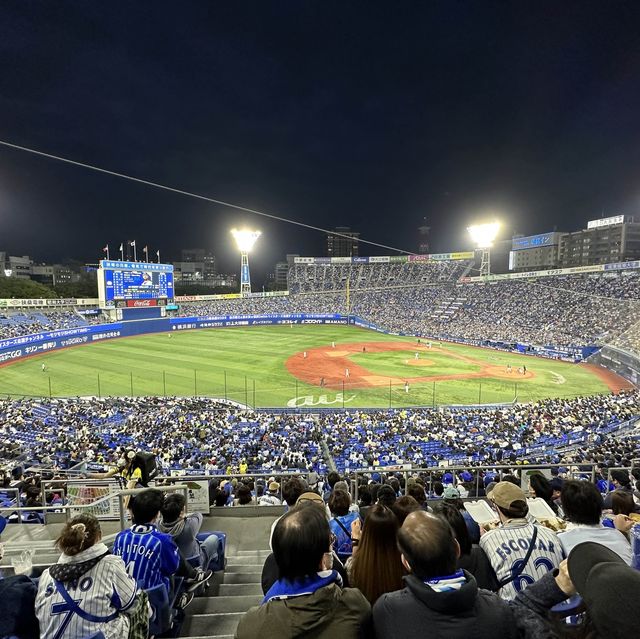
[[540, 486], [375, 567]]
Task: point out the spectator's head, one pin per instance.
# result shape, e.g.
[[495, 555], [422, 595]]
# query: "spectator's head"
[[622, 503], [146, 505], [173, 507], [274, 487], [581, 502], [332, 479], [292, 490], [364, 496], [454, 517], [540, 486], [243, 494], [609, 590], [301, 543], [511, 479], [339, 503], [78, 534], [221, 497], [509, 500], [376, 566], [438, 488], [452, 496], [620, 478], [386, 496], [403, 506], [416, 491], [428, 546], [341, 485]]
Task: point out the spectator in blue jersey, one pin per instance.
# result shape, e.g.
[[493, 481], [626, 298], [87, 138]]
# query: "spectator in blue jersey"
[[341, 521], [184, 529], [151, 556], [88, 590]]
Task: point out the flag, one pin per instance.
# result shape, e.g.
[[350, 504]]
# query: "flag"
[[121, 248], [106, 248], [158, 252], [145, 249], [132, 243]]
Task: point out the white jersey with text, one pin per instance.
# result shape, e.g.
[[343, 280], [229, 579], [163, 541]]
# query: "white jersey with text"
[[91, 603], [507, 546]]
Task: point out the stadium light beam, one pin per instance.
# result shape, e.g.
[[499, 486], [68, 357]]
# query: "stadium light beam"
[[245, 241], [483, 236]]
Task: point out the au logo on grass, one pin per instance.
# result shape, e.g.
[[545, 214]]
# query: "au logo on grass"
[[323, 400]]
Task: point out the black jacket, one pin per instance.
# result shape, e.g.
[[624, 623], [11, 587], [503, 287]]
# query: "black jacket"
[[478, 564], [417, 611]]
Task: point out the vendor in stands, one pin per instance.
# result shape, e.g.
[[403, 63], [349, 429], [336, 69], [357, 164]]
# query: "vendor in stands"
[[129, 473]]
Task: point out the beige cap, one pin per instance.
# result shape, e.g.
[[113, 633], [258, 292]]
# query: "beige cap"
[[505, 493], [274, 486]]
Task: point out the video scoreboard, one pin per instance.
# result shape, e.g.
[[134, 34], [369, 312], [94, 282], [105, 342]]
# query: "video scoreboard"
[[134, 284]]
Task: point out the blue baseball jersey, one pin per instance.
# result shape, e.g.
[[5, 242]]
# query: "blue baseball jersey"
[[150, 556]]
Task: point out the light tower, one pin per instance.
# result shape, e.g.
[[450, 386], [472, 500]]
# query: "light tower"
[[245, 239], [483, 236]]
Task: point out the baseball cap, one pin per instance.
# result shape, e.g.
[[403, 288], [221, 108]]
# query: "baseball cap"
[[451, 493], [505, 493], [465, 475], [310, 496], [609, 588], [274, 486], [447, 478]]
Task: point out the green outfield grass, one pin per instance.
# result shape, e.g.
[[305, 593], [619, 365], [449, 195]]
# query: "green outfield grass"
[[248, 365]]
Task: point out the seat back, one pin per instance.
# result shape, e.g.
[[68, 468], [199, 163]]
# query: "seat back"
[[160, 603], [217, 565]]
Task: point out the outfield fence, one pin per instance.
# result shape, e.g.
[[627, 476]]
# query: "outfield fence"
[[297, 395]]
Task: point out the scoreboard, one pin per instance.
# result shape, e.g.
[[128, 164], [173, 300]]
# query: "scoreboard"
[[134, 284]]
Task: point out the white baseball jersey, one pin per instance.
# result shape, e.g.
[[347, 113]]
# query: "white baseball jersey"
[[507, 546], [82, 607]]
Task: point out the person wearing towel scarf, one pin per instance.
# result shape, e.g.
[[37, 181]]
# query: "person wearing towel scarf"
[[307, 600]]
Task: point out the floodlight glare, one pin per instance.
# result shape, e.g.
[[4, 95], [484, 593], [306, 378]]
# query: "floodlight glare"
[[483, 235], [245, 239]]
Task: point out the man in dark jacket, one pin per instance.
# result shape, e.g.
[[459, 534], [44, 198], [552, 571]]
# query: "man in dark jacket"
[[307, 600], [444, 602]]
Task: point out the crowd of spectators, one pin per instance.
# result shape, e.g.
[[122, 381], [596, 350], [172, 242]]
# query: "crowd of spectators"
[[204, 435], [18, 324]]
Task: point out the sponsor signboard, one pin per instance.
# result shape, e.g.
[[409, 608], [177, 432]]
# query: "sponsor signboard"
[[605, 221]]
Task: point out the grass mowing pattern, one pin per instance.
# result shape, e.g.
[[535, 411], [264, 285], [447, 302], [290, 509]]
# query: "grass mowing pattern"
[[200, 361]]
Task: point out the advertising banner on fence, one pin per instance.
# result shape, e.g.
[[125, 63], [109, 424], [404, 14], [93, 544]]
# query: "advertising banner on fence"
[[49, 303]]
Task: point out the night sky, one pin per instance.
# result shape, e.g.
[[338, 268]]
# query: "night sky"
[[367, 114]]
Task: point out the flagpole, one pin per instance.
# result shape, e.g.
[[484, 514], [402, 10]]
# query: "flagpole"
[[158, 254], [145, 250], [122, 251], [135, 254]]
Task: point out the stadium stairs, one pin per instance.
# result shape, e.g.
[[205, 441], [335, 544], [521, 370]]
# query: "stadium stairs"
[[215, 614]]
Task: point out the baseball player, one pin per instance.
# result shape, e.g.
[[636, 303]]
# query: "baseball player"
[[520, 552], [346, 372]]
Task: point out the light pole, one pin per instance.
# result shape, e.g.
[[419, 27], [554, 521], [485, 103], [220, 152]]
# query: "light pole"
[[483, 236], [245, 239]]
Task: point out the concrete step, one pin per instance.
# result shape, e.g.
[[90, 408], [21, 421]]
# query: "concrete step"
[[239, 603], [242, 577], [211, 624], [240, 589], [244, 567], [244, 554]]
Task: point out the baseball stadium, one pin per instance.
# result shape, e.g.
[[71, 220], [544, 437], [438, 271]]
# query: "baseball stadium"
[[367, 365], [411, 370]]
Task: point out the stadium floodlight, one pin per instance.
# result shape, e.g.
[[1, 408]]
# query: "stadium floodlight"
[[245, 240], [483, 236]]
